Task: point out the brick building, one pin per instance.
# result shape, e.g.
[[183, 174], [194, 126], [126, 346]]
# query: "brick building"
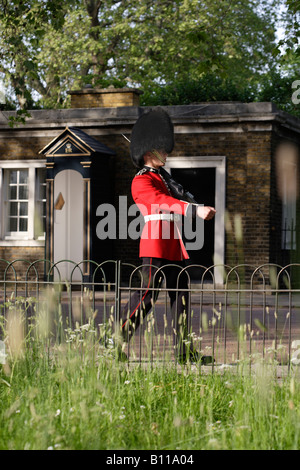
[[226, 154]]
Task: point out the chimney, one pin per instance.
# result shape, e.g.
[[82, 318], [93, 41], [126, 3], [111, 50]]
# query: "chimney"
[[110, 97]]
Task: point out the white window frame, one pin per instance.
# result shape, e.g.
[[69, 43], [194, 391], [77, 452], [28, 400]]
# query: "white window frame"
[[28, 238], [39, 204]]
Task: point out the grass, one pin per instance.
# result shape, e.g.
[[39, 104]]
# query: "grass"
[[75, 395]]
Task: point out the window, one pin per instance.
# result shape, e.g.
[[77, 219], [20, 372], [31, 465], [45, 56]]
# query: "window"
[[23, 202], [289, 225], [289, 205], [17, 201]]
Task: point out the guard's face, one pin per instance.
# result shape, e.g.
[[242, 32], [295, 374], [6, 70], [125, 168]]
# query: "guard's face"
[[162, 156], [156, 158]]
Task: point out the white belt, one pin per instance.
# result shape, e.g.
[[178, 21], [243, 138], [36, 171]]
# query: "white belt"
[[169, 217]]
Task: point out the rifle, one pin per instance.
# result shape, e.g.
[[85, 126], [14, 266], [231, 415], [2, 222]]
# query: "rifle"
[[177, 189]]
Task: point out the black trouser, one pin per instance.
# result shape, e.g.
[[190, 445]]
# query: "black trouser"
[[154, 271]]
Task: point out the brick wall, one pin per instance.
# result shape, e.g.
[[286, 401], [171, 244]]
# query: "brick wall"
[[22, 148], [250, 174], [247, 187], [104, 98], [124, 171], [251, 191], [19, 269]]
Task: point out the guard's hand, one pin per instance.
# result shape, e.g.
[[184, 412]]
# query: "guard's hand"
[[206, 212]]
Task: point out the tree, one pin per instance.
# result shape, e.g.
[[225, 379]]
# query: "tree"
[[139, 42], [291, 40], [281, 85], [209, 87], [23, 24]]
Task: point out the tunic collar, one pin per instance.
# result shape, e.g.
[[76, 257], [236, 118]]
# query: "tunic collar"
[[153, 170]]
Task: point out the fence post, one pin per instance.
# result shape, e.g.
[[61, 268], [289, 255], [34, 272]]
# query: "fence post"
[[118, 296]]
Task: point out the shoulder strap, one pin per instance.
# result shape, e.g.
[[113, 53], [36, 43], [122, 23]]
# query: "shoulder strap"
[[142, 171]]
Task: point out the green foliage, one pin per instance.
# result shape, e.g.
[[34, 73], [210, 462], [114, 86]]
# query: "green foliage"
[[75, 398], [289, 46], [136, 43], [271, 87], [209, 87], [177, 52], [279, 89], [73, 394], [23, 24], [19, 118]]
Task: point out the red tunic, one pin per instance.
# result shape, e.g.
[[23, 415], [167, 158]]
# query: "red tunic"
[[160, 238]]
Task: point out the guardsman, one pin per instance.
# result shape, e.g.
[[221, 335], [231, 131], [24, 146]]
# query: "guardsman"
[[163, 203]]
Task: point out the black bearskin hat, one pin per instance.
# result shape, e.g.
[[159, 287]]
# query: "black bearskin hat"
[[152, 130]]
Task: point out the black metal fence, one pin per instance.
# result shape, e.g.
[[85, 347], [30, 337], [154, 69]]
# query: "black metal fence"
[[236, 314]]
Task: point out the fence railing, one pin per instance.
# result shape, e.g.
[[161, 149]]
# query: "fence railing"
[[253, 313]]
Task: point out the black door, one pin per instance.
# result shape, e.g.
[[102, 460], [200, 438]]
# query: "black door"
[[201, 183]]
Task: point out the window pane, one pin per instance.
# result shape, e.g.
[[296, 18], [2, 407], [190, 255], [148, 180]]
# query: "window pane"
[[13, 208], [41, 174], [12, 193], [23, 192], [23, 208], [13, 177], [23, 178], [12, 224], [23, 225]]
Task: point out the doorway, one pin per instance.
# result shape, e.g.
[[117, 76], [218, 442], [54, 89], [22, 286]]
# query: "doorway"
[[201, 183], [205, 177], [68, 222]]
